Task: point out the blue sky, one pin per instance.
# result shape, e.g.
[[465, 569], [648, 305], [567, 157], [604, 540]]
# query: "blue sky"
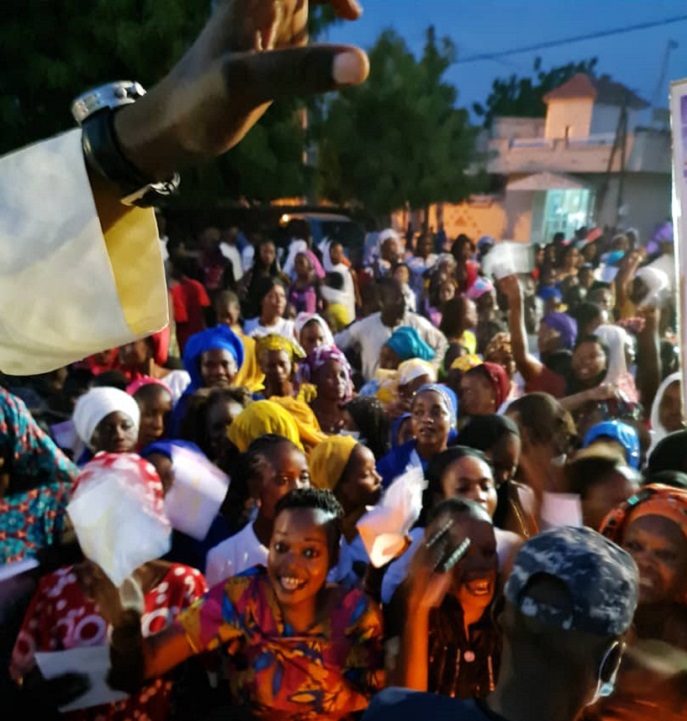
[[488, 26]]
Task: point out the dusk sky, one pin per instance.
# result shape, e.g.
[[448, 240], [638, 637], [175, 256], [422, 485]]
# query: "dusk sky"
[[633, 58]]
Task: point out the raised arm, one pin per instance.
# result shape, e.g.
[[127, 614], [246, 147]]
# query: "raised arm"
[[526, 363]]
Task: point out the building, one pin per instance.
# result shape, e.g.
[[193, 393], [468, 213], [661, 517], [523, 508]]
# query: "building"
[[593, 160]]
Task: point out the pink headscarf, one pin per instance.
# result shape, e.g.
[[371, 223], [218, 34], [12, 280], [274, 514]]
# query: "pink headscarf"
[[317, 358]]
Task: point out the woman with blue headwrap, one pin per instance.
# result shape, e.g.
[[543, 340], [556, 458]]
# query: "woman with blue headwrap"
[[434, 413], [212, 358], [405, 343]]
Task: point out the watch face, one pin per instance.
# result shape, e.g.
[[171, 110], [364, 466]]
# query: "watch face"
[[112, 95]]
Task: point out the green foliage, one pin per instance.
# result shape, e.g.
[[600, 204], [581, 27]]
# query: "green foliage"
[[52, 50], [523, 97], [398, 138]]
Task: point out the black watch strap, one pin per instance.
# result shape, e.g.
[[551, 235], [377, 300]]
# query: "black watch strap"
[[94, 110]]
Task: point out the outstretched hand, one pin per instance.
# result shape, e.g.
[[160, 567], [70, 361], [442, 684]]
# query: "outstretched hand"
[[250, 53], [430, 574]]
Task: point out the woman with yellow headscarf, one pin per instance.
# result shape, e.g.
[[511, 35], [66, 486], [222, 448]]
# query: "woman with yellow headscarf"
[[347, 468], [260, 418], [277, 357]]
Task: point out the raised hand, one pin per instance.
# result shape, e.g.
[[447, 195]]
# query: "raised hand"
[[250, 53]]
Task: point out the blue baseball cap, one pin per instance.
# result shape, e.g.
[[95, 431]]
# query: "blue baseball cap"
[[601, 578]]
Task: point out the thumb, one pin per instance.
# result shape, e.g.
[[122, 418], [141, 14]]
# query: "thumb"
[[263, 77]]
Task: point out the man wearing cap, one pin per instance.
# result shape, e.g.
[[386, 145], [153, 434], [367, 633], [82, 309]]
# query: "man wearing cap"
[[569, 601]]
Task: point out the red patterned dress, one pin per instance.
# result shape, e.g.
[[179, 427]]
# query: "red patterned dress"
[[62, 617]]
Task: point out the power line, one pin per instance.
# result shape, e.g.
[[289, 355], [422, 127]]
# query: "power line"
[[575, 39]]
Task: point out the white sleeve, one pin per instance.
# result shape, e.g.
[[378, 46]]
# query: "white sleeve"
[[62, 296]]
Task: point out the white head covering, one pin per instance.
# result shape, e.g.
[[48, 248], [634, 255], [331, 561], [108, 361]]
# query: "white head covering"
[[302, 319], [657, 283], [616, 339], [97, 404], [658, 431]]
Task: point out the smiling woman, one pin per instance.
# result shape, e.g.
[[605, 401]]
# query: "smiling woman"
[[305, 648], [652, 527]]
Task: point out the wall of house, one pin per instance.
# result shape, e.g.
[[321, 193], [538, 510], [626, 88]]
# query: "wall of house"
[[575, 114], [508, 127], [647, 197], [605, 119]]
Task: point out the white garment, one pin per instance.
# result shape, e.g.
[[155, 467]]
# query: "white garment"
[[410, 299], [255, 329], [177, 381], [506, 541], [234, 555], [247, 257], [667, 265], [617, 340], [58, 288], [658, 430], [233, 255], [296, 246], [346, 296], [370, 334]]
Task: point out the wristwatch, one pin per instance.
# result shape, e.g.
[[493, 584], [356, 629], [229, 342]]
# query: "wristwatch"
[[94, 111]]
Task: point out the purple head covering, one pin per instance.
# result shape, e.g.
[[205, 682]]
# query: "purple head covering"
[[565, 325], [317, 358]]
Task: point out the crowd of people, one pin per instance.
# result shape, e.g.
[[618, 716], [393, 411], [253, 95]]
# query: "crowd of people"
[[311, 383], [310, 481]]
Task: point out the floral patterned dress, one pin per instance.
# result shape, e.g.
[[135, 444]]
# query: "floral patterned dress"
[[31, 518], [329, 674], [62, 617]]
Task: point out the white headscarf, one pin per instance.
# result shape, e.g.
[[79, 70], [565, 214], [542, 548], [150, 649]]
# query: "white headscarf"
[[658, 431], [657, 283], [97, 404], [302, 319], [616, 339]]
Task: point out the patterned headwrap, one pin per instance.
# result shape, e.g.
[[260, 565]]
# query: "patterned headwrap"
[[652, 500], [317, 358], [276, 342], [447, 396]]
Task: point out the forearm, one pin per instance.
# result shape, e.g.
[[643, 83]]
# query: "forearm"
[[412, 667], [524, 362], [575, 402], [648, 362], [135, 659]]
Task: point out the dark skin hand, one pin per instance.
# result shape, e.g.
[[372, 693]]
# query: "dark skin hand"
[[250, 53]]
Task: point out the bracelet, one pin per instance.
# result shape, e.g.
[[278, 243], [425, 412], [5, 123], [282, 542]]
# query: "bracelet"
[[94, 111]]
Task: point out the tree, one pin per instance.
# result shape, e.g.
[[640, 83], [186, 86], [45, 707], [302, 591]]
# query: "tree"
[[399, 138], [52, 50], [523, 97]]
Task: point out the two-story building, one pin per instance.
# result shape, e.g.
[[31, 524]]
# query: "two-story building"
[[593, 160]]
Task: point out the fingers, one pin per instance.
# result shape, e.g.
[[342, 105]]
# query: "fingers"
[[262, 77], [346, 9]]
